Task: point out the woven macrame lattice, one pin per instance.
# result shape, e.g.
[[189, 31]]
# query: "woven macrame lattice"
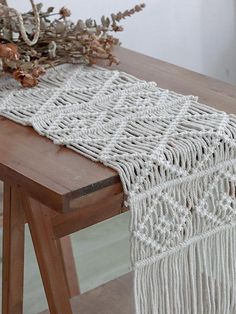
[[176, 157]]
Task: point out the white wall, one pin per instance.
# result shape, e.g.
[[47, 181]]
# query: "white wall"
[[196, 34]]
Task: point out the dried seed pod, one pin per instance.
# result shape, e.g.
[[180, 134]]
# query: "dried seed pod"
[[117, 28], [137, 8], [65, 12]]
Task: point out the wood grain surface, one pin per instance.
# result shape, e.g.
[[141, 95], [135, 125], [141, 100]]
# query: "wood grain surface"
[[13, 251], [1, 203]]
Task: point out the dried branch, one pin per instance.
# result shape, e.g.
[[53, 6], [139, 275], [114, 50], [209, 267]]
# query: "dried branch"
[[39, 41]]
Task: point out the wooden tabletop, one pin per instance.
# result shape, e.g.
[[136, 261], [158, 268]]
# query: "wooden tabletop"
[[56, 175]]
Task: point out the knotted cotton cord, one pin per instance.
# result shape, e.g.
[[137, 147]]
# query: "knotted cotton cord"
[[177, 162]]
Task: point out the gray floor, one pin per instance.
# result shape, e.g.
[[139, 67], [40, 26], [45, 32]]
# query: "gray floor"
[[101, 253]]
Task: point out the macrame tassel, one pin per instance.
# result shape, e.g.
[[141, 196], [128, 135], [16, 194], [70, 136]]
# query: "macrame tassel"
[[198, 279]]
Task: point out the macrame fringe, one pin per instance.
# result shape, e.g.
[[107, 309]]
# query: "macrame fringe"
[[198, 279]]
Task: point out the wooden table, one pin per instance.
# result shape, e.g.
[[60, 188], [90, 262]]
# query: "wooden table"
[[57, 191]]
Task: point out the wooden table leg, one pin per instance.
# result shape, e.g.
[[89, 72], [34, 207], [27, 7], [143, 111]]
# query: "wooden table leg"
[[13, 251], [49, 260], [67, 257]]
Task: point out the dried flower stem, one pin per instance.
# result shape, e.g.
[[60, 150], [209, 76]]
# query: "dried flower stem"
[[47, 42]]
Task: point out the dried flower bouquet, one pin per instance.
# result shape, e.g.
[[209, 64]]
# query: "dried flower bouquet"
[[33, 41]]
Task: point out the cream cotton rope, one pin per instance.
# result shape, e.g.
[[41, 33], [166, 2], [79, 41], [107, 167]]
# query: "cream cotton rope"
[[177, 161]]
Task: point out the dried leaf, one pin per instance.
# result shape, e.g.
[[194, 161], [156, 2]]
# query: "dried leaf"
[[50, 9], [6, 33], [105, 21], [18, 74], [39, 6], [59, 27], [37, 71], [80, 26], [29, 81], [89, 23], [9, 51]]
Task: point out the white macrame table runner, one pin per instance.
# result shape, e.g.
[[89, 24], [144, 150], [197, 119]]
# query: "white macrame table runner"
[[177, 162]]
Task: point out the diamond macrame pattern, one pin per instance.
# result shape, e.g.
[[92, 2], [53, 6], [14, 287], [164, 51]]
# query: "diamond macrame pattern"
[[156, 139], [170, 219]]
